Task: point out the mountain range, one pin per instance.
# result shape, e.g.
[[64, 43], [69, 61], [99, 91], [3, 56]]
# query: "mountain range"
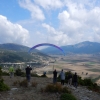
[[85, 47], [11, 52]]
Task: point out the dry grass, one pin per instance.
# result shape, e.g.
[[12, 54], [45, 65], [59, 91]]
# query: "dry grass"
[[34, 84], [77, 63]]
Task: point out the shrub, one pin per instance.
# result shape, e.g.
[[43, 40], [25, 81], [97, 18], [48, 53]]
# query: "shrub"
[[34, 75], [3, 87], [43, 75], [85, 82], [88, 82], [23, 83], [67, 96], [94, 87], [65, 90], [56, 88], [16, 83], [18, 72], [53, 88], [4, 73], [34, 84], [0, 72]]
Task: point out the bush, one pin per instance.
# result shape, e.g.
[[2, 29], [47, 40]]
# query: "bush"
[[23, 83], [67, 96], [3, 87], [34, 75], [88, 82], [34, 84], [5, 73], [65, 90], [56, 88], [94, 87], [0, 72], [85, 82], [16, 83], [43, 75], [18, 72], [53, 88]]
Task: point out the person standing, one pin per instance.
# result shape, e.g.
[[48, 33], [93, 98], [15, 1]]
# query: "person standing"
[[62, 76], [75, 80], [69, 78], [28, 73], [11, 71], [54, 76]]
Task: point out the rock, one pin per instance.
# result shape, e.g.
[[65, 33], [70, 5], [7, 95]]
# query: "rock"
[[14, 89]]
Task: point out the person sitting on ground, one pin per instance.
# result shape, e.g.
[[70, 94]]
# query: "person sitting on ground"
[[28, 73], [62, 76], [44, 73]]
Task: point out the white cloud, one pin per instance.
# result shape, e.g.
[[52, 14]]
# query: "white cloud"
[[49, 4], [54, 36], [80, 23], [36, 12], [12, 33], [77, 20]]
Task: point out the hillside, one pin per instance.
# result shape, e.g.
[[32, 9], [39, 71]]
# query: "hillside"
[[36, 93], [85, 47], [18, 53], [14, 47]]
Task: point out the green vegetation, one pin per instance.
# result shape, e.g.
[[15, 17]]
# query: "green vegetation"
[[53, 88], [34, 84], [90, 63], [19, 72], [58, 88], [9, 57], [34, 75], [3, 87], [0, 73], [16, 83], [84, 82], [43, 75], [67, 96], [94, 87], [23, 83], [95, 79], [20, 56], [94, 70], [89, 83], [4, 73]]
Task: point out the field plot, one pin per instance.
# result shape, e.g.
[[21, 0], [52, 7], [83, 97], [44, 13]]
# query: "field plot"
[[84, 65]]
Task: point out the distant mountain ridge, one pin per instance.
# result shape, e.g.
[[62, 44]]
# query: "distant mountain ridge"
[[85, 47], [15, 47], [11, 52]]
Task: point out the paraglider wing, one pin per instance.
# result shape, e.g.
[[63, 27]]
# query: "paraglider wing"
[[46, 44]]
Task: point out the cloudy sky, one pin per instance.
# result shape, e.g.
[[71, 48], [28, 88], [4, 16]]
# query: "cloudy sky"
[[60, 22]]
